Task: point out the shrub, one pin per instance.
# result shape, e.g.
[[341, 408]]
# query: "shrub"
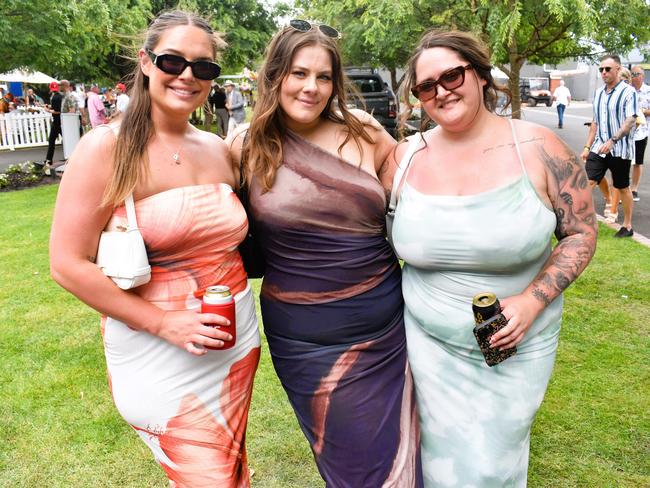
[[21, 175]]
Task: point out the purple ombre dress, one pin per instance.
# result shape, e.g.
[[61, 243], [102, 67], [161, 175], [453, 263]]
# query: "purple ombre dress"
[[333, 316]]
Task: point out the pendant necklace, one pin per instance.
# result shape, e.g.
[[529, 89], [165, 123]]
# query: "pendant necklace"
[[176, 155]]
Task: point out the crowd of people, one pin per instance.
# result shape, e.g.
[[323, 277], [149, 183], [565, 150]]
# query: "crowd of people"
[[379, 363]]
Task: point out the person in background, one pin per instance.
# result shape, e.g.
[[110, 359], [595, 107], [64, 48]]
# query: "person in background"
[[80, 96], [481, 200], [610, 144], [69, 104], [219, 104], [235, 106], [54, 107], [6, 103], [562, 98], [643, 123], [331, 301], [187, 403], [96, 109], [122, 99], [30, 99]]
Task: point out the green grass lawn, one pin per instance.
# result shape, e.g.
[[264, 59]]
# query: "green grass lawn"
[[59, 428]]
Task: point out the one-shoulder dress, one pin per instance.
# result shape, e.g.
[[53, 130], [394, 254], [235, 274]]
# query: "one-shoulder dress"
[[333, 315], [475, 420], [191, 411]]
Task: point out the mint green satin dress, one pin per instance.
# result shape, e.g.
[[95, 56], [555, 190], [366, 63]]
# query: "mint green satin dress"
[[475, 420]]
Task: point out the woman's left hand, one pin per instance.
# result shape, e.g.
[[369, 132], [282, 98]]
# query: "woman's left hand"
[[520, 311]]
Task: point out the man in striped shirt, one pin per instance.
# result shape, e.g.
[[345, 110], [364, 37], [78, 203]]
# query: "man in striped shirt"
[[610, 145]]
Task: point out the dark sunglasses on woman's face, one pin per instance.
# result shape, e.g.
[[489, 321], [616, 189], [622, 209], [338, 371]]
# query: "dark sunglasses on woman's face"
[[606, 69], [450, 80], [304, 26], [175, 65]]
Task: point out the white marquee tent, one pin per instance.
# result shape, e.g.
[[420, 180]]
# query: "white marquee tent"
[[26, 76]]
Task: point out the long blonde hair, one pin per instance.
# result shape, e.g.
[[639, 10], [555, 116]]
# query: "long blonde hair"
[[130, 162], [262, 151]]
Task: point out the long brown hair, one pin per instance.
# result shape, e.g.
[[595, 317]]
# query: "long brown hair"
[[468, 47], [262, 150], [130, 163]]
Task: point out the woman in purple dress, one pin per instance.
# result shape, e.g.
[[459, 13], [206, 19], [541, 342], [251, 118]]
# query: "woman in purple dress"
[[331, 299]]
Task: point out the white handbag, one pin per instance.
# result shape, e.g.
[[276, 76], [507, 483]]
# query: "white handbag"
[[398, 179], [122, 255]]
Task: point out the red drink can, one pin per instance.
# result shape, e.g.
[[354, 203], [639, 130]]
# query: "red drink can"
[[218, 299]]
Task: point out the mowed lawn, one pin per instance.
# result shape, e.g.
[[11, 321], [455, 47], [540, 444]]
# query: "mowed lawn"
[[59, 428]]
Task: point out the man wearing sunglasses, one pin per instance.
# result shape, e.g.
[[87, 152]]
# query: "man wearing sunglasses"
[[235, 106], [610, 145]]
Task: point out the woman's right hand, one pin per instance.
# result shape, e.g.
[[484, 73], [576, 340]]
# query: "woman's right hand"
[[190, 330]]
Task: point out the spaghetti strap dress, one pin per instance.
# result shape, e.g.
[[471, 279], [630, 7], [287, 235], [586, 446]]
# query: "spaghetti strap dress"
[[190, 411], [475, 420], [333, 315]]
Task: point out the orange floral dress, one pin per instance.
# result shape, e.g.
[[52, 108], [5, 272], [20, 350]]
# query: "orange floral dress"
[[191, 411]]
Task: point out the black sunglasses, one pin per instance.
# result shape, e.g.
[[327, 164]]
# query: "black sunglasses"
[[606, 69], [304, 26], [175, 65], [450, 80]]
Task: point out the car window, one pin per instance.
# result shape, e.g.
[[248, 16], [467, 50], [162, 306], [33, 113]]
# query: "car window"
[[368, 85]]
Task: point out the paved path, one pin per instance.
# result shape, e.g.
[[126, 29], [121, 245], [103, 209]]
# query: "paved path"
[[28, 154], [575, 135]]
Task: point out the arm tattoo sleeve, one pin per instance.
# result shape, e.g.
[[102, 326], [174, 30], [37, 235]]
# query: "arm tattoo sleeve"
[[626, 127], [576, 228]]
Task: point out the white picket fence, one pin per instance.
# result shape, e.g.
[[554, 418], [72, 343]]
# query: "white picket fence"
[[19, 130]]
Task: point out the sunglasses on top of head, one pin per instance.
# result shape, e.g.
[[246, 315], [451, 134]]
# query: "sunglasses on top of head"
[[450, 80], [304, 26], [175, 65]]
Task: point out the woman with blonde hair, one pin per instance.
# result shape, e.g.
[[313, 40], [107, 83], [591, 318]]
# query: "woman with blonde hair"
[[482, 197], [331, 299], [188, 403]]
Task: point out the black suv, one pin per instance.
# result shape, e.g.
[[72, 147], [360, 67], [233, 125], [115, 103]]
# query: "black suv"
[[377, 96]]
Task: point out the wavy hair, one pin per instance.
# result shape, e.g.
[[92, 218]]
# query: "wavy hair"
[[262, 152], [130, 162], [471, 49]]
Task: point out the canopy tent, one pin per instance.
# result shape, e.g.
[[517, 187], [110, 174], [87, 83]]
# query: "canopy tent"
[[497, 74], [25, 76]]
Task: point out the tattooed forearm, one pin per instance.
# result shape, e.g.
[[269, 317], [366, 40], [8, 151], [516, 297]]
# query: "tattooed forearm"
[[626, 127], [576, 225]]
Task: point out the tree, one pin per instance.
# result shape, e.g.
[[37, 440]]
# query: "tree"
[[247, 26], [537, 31], [72, 39], [90, 40]]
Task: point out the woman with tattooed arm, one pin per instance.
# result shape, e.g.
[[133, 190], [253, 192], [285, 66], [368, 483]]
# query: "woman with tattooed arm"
[[478, 205]]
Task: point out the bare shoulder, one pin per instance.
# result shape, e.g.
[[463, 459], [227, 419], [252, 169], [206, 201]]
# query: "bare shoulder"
[[92, 159], [423, 138], [211, 144], [542, 146], [366, 118], [235, 141]]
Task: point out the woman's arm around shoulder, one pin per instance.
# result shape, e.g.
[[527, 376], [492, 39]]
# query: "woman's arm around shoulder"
[[384, 145], [568, 190], [235, 143], [79, 219]]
